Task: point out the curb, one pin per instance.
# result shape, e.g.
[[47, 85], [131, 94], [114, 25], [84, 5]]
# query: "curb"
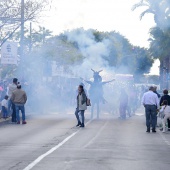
[[4, 120]]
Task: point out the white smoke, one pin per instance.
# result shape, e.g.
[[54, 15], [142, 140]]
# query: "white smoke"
[[92, 51]]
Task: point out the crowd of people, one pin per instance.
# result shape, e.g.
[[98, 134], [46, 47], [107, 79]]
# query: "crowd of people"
[[156, 106], [14, 100]]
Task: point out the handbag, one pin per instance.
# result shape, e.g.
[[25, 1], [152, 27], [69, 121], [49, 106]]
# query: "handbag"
[[88, 103]]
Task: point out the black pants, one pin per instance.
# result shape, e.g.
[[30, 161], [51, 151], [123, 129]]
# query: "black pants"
[[14, 119], [168, 124]]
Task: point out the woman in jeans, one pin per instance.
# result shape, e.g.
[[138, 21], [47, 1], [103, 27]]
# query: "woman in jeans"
[[81, 105]]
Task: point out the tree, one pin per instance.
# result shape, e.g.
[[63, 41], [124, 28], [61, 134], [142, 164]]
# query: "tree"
[[160, 35], [33, 38], [123, 56], [10, 12], [160, 10], [159, 43]]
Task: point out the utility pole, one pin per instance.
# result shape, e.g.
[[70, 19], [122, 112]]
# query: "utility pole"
[[30, 45], [22, 30]]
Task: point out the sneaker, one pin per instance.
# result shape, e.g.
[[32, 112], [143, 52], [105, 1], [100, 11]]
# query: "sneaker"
[[18, 122], [24, 122], [82, 125], [153, 131], [79, 124], [148, 131]]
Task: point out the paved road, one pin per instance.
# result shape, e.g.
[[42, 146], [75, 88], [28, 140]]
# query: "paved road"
[[107, 144]]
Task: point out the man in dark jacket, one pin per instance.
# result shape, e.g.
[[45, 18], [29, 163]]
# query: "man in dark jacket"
[[167, 98], [155, 91]]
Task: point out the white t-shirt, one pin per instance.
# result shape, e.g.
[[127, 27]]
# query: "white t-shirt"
[[166, 110], [4, 103]]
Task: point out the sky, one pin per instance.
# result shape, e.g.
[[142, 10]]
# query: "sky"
[[103, 15]]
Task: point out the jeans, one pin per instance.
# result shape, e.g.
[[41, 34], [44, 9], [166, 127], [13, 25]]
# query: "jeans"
[[9, 107], [122, 110], [14, 119], [151, 116], [18, 108], [4, 112], [82, 115]]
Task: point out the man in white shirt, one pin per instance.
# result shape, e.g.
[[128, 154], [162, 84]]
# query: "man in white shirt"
[[151, 103]]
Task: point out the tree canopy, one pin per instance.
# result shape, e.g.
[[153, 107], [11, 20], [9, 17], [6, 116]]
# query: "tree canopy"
[[10, 15]]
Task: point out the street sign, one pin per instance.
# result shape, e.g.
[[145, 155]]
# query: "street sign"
[[9, 53]]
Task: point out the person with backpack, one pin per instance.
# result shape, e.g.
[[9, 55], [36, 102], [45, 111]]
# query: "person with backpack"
[[81, 106]]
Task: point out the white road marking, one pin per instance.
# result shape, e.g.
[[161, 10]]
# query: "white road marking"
[[40, 158], [98, 133], [139, 114]]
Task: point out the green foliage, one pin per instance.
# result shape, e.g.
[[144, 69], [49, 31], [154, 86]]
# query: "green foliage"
[[160, 35], [45, 47], [10, 15], [159, 43], [160, 10], [133, 60]]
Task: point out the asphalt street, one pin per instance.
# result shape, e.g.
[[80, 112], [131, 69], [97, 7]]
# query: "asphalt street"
[[105, 144]]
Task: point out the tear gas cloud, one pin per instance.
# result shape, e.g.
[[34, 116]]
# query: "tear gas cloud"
[[92, 51], [57, 94]]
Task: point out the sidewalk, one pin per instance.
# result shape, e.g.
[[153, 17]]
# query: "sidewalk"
[[3, 120]]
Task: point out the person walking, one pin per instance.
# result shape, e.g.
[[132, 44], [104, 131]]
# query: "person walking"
[[11, 88], [81, 105], [19, 98], [166, 97], [151, 103]]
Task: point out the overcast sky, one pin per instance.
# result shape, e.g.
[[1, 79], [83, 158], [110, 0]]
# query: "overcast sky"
[[103, 15]]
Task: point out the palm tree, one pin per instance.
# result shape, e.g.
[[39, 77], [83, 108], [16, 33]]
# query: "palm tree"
[[159, 48], [160, 35], [159, 8]]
